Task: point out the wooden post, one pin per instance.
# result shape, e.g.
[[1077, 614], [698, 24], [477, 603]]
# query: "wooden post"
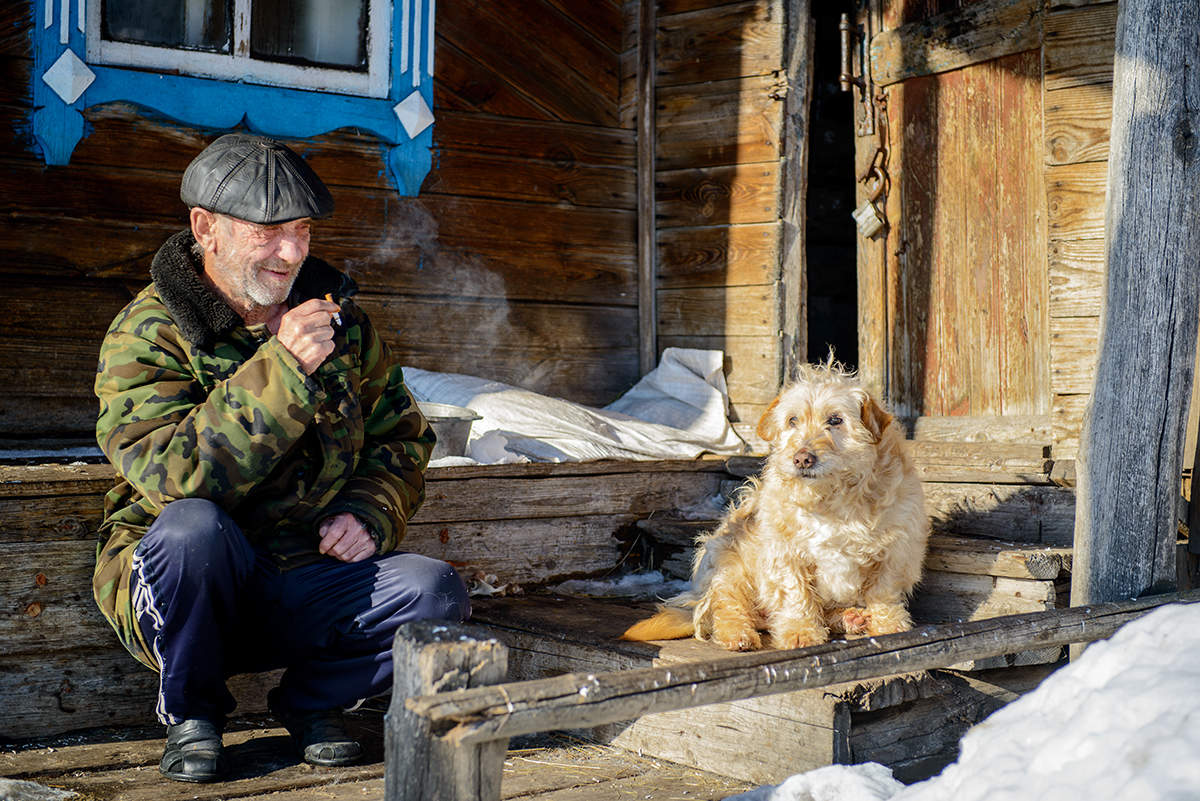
[[432, 657], [647, 232], [1130, 458]]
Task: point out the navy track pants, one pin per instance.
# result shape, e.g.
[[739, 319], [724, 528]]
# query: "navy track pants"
[[211, 606]]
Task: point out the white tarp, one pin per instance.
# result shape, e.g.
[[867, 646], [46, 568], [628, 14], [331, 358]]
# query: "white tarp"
[[677, 411]]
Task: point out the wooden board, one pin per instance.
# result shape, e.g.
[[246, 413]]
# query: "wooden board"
[[718, 43], [1078, 120], [1075, 200], [741, 311], [717, 256], [742, 193], [1073, 350], [1037, 514], [734, 121], [1076, 277], [1079, 46]]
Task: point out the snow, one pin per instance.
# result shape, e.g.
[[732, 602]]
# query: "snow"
[[1121, 722], [647, 585]]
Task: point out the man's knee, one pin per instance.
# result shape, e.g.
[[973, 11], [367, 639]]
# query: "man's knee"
[[197, 529], [440, 593]]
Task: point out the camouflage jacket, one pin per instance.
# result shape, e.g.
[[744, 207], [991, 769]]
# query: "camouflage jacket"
[[194, 404]]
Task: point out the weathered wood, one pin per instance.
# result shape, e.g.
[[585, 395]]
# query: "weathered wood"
[[488, 713], [736, 311], [983, 428], [738, 120], [1074, 346], [946, 597], [716, 256], [1077, 124], [1128, 483], [726, 41], [431, 657], [996, 558], [1079, 46], [1039, 514], [970, 35], [646, 190], [1076, 277], [1075, 200], [1068, 421], [741, 193]]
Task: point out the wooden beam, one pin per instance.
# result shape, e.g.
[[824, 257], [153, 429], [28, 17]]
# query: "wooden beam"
[[1131, 451], [971, 35], [577, 700], [647, 226]]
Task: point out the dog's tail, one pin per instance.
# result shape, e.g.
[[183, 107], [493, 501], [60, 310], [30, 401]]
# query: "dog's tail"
[[669, 623]]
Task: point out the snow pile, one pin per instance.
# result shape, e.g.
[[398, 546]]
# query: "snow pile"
[[635, 586], [1122, 722]]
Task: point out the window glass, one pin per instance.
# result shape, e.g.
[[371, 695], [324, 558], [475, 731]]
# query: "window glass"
[[197, 24], [329, 33]]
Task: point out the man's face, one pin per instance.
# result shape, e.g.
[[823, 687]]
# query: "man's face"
[[257, 263]]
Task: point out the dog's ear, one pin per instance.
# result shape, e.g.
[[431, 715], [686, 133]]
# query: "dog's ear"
[[767, 430], [875, 418]]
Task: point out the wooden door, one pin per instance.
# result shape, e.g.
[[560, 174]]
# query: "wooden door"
[[953, 293]]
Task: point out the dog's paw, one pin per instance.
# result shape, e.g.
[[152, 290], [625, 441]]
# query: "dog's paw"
[[886, 619], [799, 637], [855, 620], [742, 639]]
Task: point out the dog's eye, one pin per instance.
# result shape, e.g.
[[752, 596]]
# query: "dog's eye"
[[791, 422], [834, 421]]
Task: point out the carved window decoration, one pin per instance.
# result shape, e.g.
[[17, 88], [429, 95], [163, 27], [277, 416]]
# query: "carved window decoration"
[[294, 68]]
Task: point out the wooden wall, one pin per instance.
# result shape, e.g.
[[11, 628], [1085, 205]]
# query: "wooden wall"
[[726, 278], [1078, 54], [516, 262]]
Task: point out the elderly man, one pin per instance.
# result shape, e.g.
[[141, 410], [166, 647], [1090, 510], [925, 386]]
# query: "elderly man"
[[270, 456]]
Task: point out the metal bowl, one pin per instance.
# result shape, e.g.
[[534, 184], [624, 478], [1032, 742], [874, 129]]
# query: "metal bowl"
[[451, 424]]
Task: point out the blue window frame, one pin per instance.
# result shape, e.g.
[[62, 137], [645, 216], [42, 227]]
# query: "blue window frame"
[[217, 69]]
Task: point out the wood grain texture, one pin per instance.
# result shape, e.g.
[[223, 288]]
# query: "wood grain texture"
[[722, 42], [1074, 347], [1078, 120], [714, 256], [741, 193], [1128, 483], [1076, 268], [975, 33], [1079, 46], [1075, 200], [738, 120]]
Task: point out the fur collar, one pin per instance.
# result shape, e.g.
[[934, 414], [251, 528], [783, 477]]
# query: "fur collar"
[[200, 313]]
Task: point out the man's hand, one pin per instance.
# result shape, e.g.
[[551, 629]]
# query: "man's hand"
[[307, 332], [344, 537]]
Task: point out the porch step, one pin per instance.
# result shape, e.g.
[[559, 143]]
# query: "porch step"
[[910, 722]]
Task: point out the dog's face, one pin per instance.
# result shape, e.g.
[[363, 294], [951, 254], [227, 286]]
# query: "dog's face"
[[823, 426]]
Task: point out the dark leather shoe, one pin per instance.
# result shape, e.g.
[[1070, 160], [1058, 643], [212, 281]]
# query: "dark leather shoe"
[[320, 735], [194, 752]]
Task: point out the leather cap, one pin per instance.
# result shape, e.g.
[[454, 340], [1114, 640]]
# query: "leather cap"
[[255, 179]]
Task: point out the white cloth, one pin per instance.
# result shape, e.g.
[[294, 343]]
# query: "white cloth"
[[677, 411]]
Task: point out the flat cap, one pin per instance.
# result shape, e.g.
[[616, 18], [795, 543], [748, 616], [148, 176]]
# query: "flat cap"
[[255, 179]]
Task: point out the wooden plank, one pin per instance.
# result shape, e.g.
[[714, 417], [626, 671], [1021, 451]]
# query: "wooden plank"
[[1068, 422], [970, 35], [1073, 351], [1077, 124], [469, 83], [983, 428], [1075, 200], [727, 41], [1076, 269], [721, 255], [1079, 44], [945, 597], [734, 121], [576, 80], [995, 558], [455, 500], [488, 713], [739, 311], [562, 143], [740, 193], [1037, 514], [470, 173]]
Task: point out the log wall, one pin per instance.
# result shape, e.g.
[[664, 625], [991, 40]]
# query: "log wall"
[[720, 165], [516, 262]]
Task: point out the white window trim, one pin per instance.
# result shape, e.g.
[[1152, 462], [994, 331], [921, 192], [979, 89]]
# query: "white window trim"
[[375, 82]]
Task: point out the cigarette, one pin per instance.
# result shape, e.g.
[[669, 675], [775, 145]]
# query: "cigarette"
[[337, 318]]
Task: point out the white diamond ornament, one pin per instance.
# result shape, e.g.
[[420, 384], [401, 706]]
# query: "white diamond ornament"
[[414, 114], [69, 77]]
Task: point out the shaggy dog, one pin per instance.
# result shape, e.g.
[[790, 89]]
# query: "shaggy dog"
[[830, 536]]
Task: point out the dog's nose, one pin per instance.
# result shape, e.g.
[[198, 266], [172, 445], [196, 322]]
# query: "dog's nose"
[[804, 459]]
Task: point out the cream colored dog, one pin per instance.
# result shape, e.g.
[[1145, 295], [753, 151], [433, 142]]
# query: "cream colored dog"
[[830, 536]]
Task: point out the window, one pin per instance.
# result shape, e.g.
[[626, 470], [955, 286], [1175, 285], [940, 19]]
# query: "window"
[[332, 45]]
